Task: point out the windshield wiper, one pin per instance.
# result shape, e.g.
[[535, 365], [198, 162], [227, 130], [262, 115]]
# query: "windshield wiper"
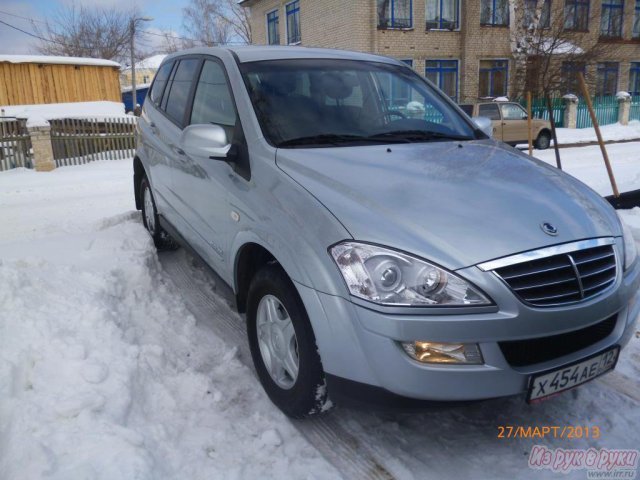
[[336, 139], [418, 135]]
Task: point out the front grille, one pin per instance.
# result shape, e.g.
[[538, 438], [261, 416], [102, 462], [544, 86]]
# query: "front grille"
[[520, 353], [564, 278]]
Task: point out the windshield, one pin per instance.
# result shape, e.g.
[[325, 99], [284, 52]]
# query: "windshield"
[[319, 103]]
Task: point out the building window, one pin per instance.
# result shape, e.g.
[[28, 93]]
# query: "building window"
[[611, 18], [293, 22], [530, 12], [395, 14], [607, 81], [570, 71], [443, 14], [273, 28], [636, 21], [494, 12], [493, 78], [634, 78], [444, 74], [576, 15]]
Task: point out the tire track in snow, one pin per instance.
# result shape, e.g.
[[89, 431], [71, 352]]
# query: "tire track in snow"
[[351, 456]]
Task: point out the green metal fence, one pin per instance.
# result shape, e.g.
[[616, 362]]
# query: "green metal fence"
[[634, 113], [539, 109], [606, 109]]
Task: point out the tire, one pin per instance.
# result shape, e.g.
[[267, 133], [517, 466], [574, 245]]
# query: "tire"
[[543, 141], [161, 239], [306, 394]]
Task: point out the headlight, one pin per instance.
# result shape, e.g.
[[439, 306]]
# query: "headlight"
[[388, 277], [630, 249]]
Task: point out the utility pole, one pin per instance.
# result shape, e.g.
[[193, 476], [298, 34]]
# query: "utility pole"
[[132, 32]]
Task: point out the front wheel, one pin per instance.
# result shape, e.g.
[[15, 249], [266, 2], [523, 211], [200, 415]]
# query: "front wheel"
[[283, 345], [543, 141], [150, 219]]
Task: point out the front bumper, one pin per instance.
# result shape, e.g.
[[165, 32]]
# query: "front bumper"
[[359, 342]]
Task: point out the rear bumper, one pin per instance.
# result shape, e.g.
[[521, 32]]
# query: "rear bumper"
[[362, 353]]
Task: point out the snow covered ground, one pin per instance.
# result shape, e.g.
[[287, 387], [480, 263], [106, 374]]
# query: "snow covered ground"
[[586, 164], [108, 371], [104, 374], [613, 132]]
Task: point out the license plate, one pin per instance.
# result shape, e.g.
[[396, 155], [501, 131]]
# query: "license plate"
[[550, 383]]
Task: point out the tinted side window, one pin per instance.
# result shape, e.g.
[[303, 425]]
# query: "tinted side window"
[[160, 81], [179, 88], [489, 111], [213, 102]]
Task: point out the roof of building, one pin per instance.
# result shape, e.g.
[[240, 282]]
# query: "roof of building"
[[58, 60], [254, 53], [149, 63]]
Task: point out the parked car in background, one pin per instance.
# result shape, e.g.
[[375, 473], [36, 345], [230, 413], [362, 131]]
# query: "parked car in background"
[[510, 123], [381, 250]]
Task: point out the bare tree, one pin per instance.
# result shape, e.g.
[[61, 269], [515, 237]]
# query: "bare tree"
[[209, 22], [237, 17], [100, 32], [548, 55]]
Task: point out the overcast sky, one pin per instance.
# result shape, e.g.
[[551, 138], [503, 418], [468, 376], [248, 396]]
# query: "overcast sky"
[[167, 15]]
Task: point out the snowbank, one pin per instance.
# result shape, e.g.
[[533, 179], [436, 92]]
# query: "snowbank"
[[104, 373], [58, 60], [38, 115]]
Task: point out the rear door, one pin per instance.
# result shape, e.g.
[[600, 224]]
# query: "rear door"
[[492, 112], [168, 126], [514, 123], [150, 137]]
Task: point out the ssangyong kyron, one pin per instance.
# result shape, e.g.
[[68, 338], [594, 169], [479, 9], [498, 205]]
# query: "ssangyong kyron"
[[382, 246]]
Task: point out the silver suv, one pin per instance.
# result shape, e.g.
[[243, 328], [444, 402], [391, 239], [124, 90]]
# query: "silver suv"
[[383, 247]]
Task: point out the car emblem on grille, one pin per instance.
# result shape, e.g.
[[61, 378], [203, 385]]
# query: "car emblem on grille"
[[549, 229]]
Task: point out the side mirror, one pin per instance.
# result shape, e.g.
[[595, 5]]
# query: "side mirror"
[[206, 140], [484, 125]]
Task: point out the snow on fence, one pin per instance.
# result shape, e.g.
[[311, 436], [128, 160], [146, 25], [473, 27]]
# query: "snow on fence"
[[15, 144], [77, 141]]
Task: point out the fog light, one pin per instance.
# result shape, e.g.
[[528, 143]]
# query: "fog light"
[[433, 352]]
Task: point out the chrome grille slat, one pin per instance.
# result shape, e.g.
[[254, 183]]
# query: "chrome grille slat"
[[591, 274], [548, 284], [564, 278], [589, 260], [510, 277]]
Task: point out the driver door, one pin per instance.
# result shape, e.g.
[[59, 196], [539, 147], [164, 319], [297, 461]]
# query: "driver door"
[[202, 182]]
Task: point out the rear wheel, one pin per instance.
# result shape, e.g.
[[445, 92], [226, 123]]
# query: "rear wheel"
[[543, 141], [283, 345], [161, 239]]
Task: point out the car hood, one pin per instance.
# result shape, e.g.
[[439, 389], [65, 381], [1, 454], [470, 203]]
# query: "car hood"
[[454, 203]]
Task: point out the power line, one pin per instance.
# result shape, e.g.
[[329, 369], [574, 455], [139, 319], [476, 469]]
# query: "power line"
[[42, 38], [23, 18]]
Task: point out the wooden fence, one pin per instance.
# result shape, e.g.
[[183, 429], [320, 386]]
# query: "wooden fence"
[[81, 140], [15, 144]]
